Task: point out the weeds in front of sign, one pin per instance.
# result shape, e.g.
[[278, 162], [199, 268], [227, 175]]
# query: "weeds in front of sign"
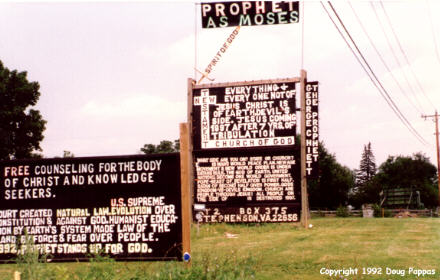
[[31, 264], [100, 267], [34, 266], [224, 267]]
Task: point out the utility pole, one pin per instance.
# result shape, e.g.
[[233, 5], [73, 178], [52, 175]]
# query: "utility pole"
[[438, 159]]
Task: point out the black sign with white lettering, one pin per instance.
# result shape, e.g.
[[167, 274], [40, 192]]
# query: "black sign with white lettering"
[[247, 185], [127, 207], [225, 14], [249, 213], [244, 116], [312, 130]]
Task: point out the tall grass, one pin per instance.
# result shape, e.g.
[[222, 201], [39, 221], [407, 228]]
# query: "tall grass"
[[30, 263]]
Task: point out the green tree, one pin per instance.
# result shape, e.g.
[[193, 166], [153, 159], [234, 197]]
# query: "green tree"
[[68, 154], [21, 127], [367, 166], [148, 149], [369, 192], [164, 146], [362, 191], [330, 189], [415, 172]]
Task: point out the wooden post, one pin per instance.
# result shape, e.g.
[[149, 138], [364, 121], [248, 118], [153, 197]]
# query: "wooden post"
[[17, 275], [185, 192], [304, 195], [438, 157], [438, 150], [191, 84]]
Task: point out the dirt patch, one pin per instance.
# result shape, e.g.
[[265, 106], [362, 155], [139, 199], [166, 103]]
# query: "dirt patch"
[[405, 214]]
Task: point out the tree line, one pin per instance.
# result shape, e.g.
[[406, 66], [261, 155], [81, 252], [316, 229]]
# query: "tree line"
[[338, 185]]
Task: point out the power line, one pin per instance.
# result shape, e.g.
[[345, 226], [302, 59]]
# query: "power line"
[[404, 55], [391, 102], [383, 60], [394, 55], [433, 31], [376, 82]]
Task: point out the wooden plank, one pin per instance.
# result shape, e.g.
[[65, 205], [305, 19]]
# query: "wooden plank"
[[185, 192], [248, 83], [189, 121]]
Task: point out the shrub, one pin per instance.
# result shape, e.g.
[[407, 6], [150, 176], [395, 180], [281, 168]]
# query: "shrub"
[[342, 211], [387, 213], [378, 211]]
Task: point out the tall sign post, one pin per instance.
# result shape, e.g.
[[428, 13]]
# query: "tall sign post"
[[243, 134], [304, 195], [185, 192], [309, 138], [190, 85]]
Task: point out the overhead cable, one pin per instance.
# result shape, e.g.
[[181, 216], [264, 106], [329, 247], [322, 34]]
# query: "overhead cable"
[[395, 55], [433, 31], [419, 110], [376, 82], [405, 56]]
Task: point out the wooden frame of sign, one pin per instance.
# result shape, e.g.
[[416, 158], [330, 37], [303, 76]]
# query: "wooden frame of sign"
[[130, 208], [248, 108]]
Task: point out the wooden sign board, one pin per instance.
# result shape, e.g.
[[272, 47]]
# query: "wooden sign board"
[[242, 13], [312, 129], [245, 155], [247, 186], [127, 207], [244, 115]]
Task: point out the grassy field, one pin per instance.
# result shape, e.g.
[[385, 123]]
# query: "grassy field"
[[281, 251]]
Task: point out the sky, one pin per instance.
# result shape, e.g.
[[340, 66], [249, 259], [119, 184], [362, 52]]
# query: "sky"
[[113, 75]]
